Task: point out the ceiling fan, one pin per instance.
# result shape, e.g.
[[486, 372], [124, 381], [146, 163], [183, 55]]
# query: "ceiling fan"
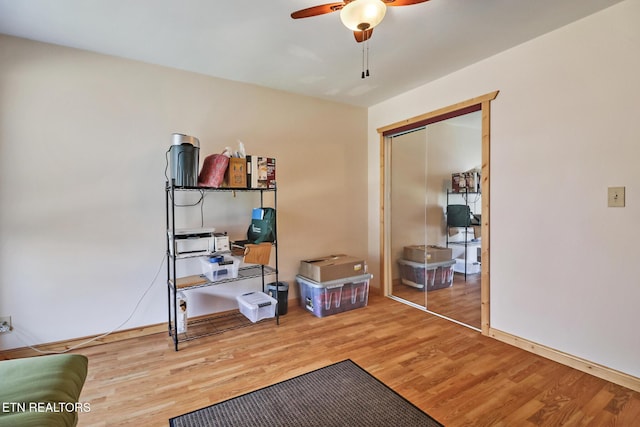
[[360, 16]]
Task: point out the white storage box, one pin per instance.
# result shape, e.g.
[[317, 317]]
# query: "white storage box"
[[457, 235], [472, 267], [214, 271], [257, 305]]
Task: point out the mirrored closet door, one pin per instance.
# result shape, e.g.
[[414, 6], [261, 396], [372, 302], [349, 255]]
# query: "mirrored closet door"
[[420, 192]]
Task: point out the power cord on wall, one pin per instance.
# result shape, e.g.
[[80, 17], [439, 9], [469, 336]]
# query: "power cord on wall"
[[200, 201], [17, 329]]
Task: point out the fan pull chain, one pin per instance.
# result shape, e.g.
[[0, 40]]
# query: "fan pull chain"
[[363, 55], [367, 58]]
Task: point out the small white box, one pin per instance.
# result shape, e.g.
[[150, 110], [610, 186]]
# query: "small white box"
[[221, 242], [257, 305], [181, 326]]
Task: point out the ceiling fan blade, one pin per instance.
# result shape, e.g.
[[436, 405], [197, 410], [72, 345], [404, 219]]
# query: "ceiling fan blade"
[[317, 10], [403, 2], [362, 36]]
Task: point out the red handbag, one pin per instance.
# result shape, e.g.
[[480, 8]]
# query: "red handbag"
[[213, 169]]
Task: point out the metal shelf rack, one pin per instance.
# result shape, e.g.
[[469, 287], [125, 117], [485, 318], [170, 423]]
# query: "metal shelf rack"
[[465, 195], [214, 323]]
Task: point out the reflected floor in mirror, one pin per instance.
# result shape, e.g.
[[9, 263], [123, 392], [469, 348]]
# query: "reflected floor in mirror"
[[460, 301]]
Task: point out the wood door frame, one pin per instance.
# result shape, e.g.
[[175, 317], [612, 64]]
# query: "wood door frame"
[[483, 104]]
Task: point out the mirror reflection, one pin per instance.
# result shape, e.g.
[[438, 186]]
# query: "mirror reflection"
[[435, 204]]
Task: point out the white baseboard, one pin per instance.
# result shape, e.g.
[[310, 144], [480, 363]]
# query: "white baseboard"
[[594, 369]]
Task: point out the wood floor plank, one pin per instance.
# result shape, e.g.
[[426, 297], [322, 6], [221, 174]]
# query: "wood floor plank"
[[453, 373]]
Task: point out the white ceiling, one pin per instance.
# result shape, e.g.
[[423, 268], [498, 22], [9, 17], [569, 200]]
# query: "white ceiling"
[[256, 41]]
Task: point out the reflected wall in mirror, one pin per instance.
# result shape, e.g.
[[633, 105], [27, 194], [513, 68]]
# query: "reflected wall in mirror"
[[407, 213], [422, 163]]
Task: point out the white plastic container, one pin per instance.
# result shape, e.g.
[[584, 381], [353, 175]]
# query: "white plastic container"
[[257, 305], [181, 323], [215, 271], [472, 267]]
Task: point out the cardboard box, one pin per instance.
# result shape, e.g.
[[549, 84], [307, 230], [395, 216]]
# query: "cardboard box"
[[332, 267], [416, 253], [236, 174], [261, 172], [458, 182], [462, 182], [257, 254]]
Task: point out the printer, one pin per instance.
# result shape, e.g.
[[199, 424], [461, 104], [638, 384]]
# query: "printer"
[[191, 242]]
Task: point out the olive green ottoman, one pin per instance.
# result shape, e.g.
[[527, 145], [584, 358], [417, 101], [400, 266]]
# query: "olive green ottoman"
[[42, 391]]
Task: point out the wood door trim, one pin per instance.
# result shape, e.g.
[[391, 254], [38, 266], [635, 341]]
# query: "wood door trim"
[[445, 113], [480, 103]]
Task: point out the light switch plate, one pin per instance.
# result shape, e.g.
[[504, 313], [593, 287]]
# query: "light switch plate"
[[616, 197]]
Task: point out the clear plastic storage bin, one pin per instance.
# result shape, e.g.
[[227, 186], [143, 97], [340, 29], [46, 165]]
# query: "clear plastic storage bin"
[[431, 276], [214, 271], [335, 296], [257, 306]]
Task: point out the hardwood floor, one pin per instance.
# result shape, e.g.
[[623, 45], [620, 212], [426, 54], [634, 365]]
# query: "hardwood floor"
[[453, 373], [460, 302]]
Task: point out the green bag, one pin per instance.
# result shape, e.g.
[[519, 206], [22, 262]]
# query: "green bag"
[[458, 216], [263, 226]]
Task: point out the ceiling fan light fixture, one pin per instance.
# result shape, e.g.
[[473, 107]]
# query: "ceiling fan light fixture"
[[361, 15]]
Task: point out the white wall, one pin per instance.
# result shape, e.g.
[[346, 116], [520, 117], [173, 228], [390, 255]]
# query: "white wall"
[[564, 128], [82, 158], [408, 203]]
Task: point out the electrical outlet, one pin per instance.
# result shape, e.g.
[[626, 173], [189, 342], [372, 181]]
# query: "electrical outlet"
[[616, 197], [5, 324]]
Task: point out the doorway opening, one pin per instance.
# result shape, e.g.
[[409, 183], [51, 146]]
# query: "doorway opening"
[[414, 200]]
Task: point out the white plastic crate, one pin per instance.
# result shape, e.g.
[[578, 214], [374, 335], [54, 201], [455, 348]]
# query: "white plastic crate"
[[257, 305], [216, 271], [472, 267]]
